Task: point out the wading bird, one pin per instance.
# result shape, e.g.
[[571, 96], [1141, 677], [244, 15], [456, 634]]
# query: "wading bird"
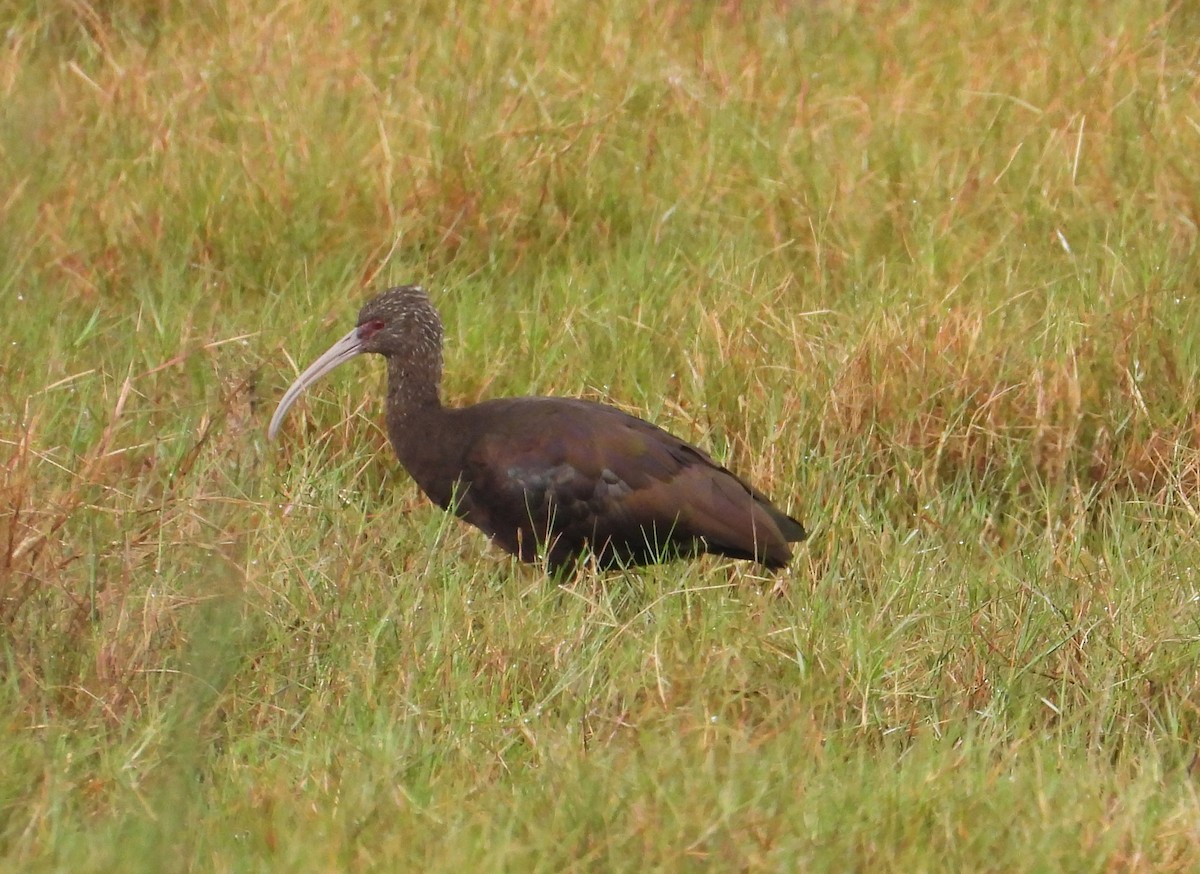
[[557, 477]]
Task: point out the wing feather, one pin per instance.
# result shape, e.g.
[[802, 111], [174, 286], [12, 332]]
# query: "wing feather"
[[571, 475]]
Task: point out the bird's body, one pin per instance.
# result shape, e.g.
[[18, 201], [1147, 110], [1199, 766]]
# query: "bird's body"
[[591, 477], [553, 476]]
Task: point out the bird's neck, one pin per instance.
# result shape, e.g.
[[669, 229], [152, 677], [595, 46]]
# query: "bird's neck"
[[417, 424], [413, 401], [413, 387]]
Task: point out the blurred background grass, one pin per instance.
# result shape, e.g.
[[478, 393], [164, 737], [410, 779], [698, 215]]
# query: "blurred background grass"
[[925, 272]]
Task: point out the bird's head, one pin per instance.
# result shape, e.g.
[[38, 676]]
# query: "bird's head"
[[401, 323]]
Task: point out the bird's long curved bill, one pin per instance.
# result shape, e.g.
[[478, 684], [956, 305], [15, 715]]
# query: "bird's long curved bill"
[[340, 352]]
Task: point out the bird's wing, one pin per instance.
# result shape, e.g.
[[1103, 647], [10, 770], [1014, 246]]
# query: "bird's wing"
[[581, 473]]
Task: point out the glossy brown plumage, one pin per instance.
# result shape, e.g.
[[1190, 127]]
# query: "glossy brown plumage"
[[551, 476]]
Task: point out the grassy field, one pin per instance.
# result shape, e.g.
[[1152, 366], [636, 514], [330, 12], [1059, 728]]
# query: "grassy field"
[[926, 273]]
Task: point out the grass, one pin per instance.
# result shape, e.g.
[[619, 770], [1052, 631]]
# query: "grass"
[[924, 273]]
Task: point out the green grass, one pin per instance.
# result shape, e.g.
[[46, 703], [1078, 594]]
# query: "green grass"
[[926, 273]]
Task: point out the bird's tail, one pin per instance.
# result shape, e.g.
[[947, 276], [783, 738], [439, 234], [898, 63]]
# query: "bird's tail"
[[792, 530]]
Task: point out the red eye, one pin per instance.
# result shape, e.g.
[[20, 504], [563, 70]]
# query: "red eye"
[[368, 329]]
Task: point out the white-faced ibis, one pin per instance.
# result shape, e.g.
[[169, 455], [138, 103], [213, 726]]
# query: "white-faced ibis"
[[556, 476]]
